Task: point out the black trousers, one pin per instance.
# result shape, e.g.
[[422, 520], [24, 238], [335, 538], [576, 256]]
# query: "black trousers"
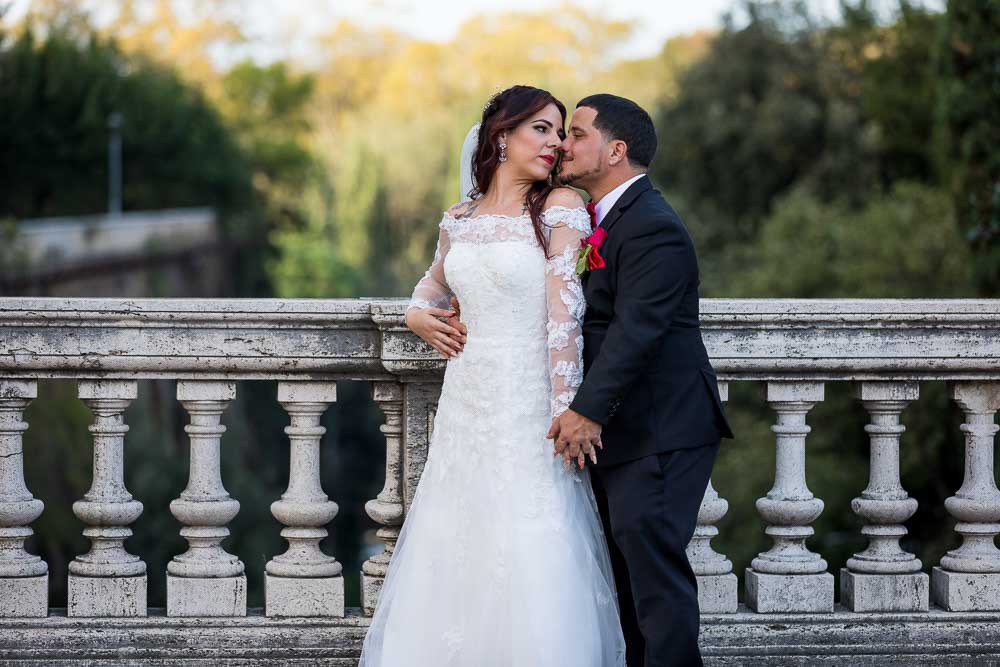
[[649, 508]]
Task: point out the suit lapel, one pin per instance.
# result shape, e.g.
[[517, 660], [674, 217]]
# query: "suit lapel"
[[616, 212], [629, 196]]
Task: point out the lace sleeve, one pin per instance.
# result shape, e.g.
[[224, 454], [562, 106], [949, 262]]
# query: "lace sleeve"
[[432, 290], [564, 294]]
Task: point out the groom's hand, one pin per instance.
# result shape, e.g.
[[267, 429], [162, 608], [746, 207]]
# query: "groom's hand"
[[455, 322], [574, 437]]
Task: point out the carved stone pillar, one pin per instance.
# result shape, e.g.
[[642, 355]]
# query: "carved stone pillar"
[[304, 581], [968, 578], [883, 577], [717, 585], [24, 577], [387, 508], [205, 580], [788, 577], [419, 410], [107, 580]]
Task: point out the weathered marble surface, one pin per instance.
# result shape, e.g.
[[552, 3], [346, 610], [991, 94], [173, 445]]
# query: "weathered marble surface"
[[839, 638], [813, 339]]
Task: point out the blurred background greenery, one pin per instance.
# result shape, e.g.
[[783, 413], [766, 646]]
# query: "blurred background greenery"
[[852, 154]]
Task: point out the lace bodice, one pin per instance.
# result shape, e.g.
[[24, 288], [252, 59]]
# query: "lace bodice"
[[508, 289]]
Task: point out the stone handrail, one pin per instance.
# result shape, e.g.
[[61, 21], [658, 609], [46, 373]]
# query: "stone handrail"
[[791, 347], [837, 339]]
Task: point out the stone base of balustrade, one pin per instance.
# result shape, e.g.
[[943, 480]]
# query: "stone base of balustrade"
[[789, 593], [937, 638], [843, 638], [884, 592], [717, 593], [319, 597], [24, 596], [370, 588], [962, 591], [106, 596], [197, 596]]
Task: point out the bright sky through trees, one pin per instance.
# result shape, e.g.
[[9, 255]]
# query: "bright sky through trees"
[[279, 30]]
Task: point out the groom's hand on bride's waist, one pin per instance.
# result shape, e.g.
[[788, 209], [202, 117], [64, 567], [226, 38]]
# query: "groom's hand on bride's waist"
[[455, 322], [574, 437]]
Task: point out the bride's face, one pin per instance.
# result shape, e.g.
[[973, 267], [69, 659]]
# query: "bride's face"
[[533, 146]]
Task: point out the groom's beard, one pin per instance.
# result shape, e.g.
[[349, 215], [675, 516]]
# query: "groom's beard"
[[578, 179]]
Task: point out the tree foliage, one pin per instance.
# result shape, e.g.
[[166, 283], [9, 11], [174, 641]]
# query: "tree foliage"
[[972, 108]]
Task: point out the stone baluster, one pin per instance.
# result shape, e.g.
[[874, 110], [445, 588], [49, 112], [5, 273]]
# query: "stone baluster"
[[883, 577], [420, 400], [205, 580], [24, 577], [107, 580], [304, 581], [789, 577], [968, 578], [717, 585], [387, 508]]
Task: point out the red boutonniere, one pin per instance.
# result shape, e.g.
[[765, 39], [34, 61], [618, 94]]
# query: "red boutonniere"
[[590, 256]]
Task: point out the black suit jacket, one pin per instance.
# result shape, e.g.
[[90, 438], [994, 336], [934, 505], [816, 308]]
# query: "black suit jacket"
[[647, 378]]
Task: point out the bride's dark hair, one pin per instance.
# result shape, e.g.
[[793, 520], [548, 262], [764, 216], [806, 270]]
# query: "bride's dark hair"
[[504, 112]]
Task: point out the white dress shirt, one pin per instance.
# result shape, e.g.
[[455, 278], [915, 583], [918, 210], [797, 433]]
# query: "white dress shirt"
[[605, 203]]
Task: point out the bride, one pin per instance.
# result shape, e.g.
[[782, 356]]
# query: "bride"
[[502, 560]]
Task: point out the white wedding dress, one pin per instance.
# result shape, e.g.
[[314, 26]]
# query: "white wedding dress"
[[501, 561]]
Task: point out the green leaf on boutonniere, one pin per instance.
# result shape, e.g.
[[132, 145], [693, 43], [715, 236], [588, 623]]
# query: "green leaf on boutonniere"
[[581, 264]]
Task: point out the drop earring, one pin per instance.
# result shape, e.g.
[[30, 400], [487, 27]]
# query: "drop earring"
[[503, 152]]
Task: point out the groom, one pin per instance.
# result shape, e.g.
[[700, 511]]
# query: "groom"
[[649, 395]]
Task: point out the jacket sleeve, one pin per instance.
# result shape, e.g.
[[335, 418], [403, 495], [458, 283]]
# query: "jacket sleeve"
[[653, 269]]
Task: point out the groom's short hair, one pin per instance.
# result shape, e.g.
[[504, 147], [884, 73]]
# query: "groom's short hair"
[[624, 120]]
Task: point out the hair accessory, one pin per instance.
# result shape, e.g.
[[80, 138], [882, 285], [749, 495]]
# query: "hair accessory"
[[493, 98]]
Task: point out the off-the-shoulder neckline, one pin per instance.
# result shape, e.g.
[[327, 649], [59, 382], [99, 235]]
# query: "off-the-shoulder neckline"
[[523, 216]]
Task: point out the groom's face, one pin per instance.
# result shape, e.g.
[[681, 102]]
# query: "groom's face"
[[583, 150]]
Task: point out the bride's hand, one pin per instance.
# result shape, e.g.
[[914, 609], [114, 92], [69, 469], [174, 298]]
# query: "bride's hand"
[[441, 336]]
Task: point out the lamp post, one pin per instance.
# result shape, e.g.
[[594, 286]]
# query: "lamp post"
[[115, 164]]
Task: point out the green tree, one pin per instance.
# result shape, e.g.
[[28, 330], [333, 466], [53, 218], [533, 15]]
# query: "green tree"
[[788, 102], [900, 87], [903, 244], [266, 108], [762, 111], [972, 108]]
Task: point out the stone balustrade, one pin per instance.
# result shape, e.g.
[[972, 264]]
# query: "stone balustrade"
[[891, 607]]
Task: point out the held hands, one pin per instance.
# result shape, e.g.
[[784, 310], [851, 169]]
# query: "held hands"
[[574, 437], [447, 336]]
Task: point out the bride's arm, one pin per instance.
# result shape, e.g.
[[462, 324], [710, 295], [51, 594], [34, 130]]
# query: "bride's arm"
[[566, 304], [431, 300], [432, 290]]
